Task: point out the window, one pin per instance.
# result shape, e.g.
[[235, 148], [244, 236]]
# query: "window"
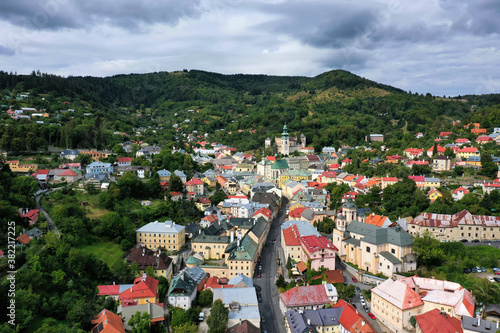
[[368, 249], [393, 251]]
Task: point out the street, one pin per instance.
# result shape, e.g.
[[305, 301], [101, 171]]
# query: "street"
[[272, 319]]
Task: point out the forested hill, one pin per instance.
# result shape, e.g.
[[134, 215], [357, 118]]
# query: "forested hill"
[[333, 108]]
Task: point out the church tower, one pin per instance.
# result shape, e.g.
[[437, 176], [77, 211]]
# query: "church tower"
[[350, 211], [303, 140], [285, 142]]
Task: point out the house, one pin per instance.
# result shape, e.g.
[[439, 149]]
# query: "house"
[[435, 321], [16, 166], [459, 193], [161, 235], [474, 324], [441, 163], [308, 297], [156, 313], [394, 159], [208, 220], [377, 137], [181, 175], [68, 175], [175, 196], [245, 326], [94, 154], [291, 232], [195, 185], [144, 290], [164, 175], [203, 203], [413, 152], [124, 161], [144, 258], [31, 215], [440, 151], [296, 175], [444, 134], [242, 305], [182, 291], [99, 167], [386, 181], [319, 250], [466, 152], [434, 194], [23, 239], [148, 151], [378, 220], [456, 227], [107, 322]]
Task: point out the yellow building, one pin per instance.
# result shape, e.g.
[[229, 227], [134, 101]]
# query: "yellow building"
[[161, 235], [296, 175], [460, 226], [15, 166]]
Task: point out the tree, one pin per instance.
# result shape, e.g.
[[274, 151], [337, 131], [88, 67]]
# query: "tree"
[[206, 298], [280, 282], [488, 167], [140, 322], [176, 184], [186, 328], [217, 321], [428, 250]]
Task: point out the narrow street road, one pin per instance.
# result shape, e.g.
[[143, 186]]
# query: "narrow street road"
[[273, 320], [50, 224]]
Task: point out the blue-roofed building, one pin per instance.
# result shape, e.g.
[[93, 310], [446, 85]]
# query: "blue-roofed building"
[[69, 154], [99, 167], [161, 235], [243, 305], [164, 175], [181, 175], [241, 281]]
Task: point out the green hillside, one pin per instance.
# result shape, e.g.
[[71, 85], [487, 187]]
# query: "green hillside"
[[333, 108]]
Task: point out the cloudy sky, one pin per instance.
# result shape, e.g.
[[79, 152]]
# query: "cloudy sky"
[[446, 47]]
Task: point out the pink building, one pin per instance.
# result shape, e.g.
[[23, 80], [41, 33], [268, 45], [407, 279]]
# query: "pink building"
[[320, 250]]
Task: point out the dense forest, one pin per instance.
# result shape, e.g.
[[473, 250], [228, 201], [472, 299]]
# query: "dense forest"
[[332, 109]]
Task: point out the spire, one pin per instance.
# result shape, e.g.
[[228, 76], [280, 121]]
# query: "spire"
[[285, 131]]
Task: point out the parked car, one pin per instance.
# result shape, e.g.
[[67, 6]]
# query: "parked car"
[[475, 241], [466, 270], [201, 316], [366, 283], [483, 269], [354, 279], [491, 279], [361, 296], [258, 275], [362, 301], [372, 316], [497, 272], [473, 270], [259, 299], [478, 269], [366, 309], [496, 279], [358, 290], [496, 269], [258, 289]]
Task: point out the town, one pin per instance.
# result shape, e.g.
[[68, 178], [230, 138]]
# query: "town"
[[300, 234]]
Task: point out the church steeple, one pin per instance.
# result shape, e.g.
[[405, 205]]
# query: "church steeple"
[[285, 142]]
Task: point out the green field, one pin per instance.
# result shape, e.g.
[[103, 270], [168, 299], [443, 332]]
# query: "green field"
[[108, 252]]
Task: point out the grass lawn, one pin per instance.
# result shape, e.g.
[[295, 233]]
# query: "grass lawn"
[[108, 252]]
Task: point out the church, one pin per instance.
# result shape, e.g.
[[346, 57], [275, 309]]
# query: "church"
[[286, 145]]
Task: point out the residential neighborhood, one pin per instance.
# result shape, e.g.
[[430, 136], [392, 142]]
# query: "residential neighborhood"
[[285, 241]]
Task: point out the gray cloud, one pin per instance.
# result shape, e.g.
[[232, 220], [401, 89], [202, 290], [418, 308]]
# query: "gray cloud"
[[6, 51], [128, 14]]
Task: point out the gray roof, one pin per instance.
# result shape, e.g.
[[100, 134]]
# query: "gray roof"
[[241, 278], [35, 232], [389, 256], [167, 227], [308, 213], [377, 235], [153, 309], [244, 296], [305, 228], [349, 204], [182, 284], [298, 323], [260, 227], [478, 325], [203, 238], [324, 317], [164, 173]]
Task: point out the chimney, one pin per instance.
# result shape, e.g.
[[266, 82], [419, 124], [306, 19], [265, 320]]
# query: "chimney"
[[363, 323], [239, 235], [238, 244], [113, 283], [308, 321], [232, 236]]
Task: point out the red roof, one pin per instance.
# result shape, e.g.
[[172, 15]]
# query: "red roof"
[[214, 282], [211, 218], [461, 189], [314, 243], [297, 212], [417, 179], [144, 287], [440, 149], [194, 181], [291, 236], [377, 220], [351, 318], [334, 166], [389, 179], [68, 173], [305, 296], [108, 290], [436, 322], [271, 158], [301, 266], [334, 276], [264, 211], [124, 159], [444, 134], [204, 200], [32, 214], [461, 140], [347, 160], [1, 253], [175, 193], [24, 239], [468, 150], [227, 167]]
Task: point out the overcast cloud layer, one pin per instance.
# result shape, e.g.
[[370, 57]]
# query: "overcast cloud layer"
[[446, 47]]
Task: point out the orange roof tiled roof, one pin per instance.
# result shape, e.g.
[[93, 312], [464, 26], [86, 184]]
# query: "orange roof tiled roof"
[[377, 220], [301, 266], [24, 239], [108, 322]]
